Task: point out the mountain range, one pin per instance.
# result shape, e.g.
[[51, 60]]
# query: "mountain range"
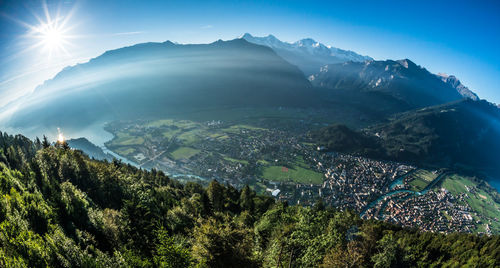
[[160, 78], [307, 54], [402, 80], [155, 80]]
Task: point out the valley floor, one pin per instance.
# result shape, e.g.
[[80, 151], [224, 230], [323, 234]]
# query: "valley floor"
[[282, 162]]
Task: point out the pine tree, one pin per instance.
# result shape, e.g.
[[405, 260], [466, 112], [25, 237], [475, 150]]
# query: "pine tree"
[[246, 198], [65, 145], [45, 143], [38, 143], [215, 193]]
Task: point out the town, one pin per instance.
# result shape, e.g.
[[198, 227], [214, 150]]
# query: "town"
[[291, 168]]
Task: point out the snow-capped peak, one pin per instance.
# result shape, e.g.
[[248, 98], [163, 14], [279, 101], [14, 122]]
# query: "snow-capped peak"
[[308, 42], [314, 53], [245, 36], [311, 46], [443, 75]]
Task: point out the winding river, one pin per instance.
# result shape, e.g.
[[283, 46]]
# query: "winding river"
[[399, 181]]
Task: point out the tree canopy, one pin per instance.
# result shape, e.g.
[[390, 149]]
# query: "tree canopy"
[[59, 208]]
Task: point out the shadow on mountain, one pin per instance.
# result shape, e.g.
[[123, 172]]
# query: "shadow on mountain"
[[155, 79], [461, 135]]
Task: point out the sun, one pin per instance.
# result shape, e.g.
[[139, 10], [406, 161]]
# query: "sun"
[[60, 136], [52, 37]]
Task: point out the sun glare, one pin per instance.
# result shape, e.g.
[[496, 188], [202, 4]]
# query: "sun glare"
[[60, 136], [51, 35], [53, 38]]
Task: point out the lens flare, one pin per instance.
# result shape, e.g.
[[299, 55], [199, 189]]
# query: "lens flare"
[[60, 136], [50, 35]]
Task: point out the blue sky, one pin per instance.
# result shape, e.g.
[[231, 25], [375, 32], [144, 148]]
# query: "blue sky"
[[454, 37]]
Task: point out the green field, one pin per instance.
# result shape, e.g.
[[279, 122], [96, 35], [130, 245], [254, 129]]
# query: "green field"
[[172, 122], [122, 139], [238, 127], [171, 133], [295, 174], [234, 160], [456, 184], [125, 151], [479, 200], [420, 179], [189, 137], [262, 162], [216, 134], [184, 153]]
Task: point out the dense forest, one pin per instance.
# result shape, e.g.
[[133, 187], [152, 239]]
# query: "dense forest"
[[59, 208]]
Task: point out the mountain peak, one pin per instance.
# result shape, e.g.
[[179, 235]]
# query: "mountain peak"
[[246, 35], [406, 63], [308, 54], [307, 42], [456, 84], [442, 75], [238, 42]]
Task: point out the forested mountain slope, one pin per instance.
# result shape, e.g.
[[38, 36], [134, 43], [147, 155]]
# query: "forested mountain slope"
[[461, 135], [158, 79], [59, 208]]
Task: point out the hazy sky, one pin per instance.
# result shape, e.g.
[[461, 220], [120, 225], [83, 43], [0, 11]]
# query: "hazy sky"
[[455, 37]]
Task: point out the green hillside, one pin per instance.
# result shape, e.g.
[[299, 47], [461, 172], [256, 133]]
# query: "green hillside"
[[461, 135], [58, 208]]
